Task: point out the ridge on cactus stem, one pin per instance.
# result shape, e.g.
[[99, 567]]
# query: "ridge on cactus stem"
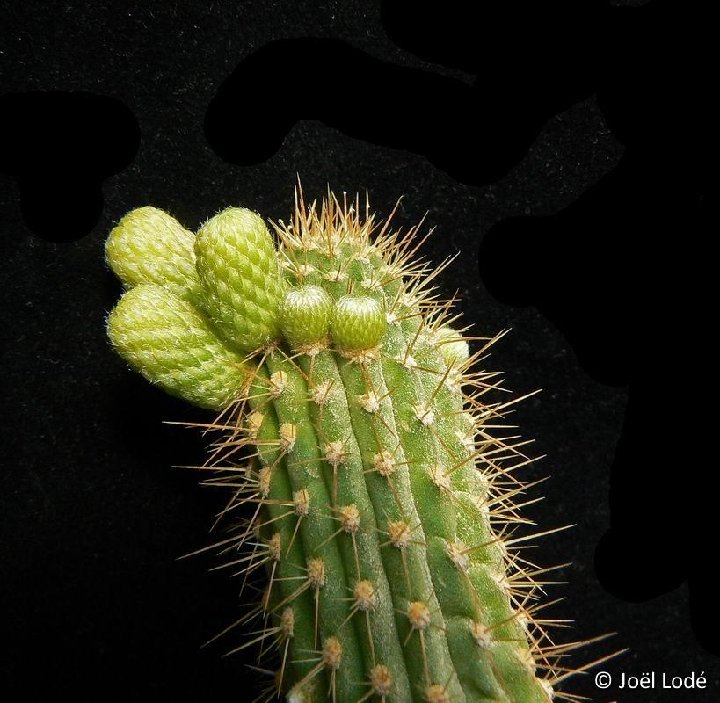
[[359, 438]]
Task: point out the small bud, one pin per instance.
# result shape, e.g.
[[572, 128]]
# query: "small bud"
[[305, 317], [358, 323]]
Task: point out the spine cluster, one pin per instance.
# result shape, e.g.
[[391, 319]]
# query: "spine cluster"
[[355, 433]]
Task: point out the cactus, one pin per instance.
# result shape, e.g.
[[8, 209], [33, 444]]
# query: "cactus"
[[355, 431]]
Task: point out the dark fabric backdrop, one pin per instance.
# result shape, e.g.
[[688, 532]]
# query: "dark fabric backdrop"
[[562, 147]]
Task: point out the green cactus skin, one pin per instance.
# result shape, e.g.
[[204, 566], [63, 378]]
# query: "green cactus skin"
[[355, 428]]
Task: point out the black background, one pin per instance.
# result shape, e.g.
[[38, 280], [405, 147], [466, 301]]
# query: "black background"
[[562, 147]]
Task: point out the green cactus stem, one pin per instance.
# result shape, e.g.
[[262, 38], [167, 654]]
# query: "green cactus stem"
[[355, 429]]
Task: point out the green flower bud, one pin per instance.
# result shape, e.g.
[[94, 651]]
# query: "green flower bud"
[[306, 314], [241, 278], [150, 246], [358, 323], [169, 342]]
